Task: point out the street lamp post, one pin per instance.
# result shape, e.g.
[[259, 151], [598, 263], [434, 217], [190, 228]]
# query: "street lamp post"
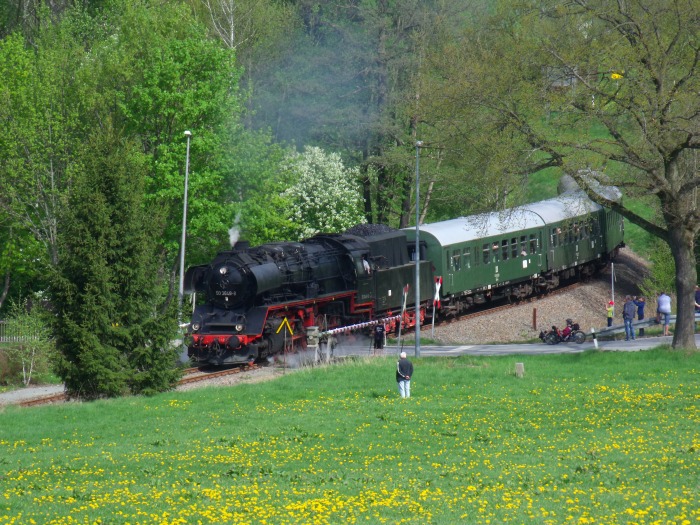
[[417, 253], [181, 293]]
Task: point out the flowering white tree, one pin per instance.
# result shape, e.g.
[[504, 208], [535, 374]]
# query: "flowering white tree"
[[325, 196]]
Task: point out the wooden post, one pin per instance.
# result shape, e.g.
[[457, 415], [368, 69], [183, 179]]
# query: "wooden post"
[[519, 369], [534, 319]]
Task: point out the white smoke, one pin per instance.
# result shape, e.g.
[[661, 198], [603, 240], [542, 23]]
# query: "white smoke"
[[234, 233]]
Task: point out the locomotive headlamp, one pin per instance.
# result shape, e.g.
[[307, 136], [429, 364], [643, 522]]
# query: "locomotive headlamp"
[[195, 327], [223, 270], [239, 327]]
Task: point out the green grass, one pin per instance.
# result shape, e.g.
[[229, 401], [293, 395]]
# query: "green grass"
[[582, 438]]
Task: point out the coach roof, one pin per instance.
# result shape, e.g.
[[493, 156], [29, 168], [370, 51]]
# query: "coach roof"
[[566, 206]]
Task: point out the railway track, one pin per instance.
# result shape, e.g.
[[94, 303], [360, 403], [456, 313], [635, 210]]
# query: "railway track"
[[44, 400], [191, 375], [198, 375]]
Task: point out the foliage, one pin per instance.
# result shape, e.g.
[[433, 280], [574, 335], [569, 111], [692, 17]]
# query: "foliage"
[[30, 351], [105, 289], [165, 76], [255, 183], [663, 272], [42, 120], [597, 437], [324, 197]]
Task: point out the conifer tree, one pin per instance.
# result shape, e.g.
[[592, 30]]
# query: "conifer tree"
[[110, 332]]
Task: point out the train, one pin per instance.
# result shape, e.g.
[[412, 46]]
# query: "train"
[[256, 303]]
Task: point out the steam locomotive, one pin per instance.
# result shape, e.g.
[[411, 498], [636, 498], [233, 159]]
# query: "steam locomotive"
[[264, 300]]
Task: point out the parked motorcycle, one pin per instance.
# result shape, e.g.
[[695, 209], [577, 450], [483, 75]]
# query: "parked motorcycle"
[[556, 336]]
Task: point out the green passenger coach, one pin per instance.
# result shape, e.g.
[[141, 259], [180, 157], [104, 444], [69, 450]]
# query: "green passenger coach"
[[518, 252]]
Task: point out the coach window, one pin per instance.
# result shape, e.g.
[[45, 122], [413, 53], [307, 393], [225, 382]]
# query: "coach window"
[[504, 249], [523, 245], [487, 251], [533, 243], [466, 259], [456, 260], [554, 238], [494, 252], [514, 247]]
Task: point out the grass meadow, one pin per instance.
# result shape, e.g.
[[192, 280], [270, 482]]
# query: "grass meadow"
[[582, 438]]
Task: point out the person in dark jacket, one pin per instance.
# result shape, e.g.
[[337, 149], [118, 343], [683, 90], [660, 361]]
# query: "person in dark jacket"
[[641, 303], [404, 372], [379, 332], [628, 311]]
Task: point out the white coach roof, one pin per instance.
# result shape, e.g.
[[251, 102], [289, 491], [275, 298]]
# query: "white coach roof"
[[568, 205]]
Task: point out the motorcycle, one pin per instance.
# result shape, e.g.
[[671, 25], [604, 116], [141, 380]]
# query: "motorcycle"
[[556, 336]]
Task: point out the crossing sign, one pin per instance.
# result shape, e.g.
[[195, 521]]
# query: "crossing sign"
[[289, 327]]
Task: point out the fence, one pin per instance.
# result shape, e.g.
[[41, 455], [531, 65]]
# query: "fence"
[[16, 332]]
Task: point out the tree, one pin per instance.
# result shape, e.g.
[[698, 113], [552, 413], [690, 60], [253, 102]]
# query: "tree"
[[325, 196], [108, 284], [41, 123], [607, 93], [168, 76], [32, 349]]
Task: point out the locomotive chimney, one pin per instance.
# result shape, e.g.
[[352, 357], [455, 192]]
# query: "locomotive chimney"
[[240, 246]]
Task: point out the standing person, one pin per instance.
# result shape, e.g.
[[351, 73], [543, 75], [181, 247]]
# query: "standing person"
[[628, 311], [611, 310], [404, 371], [664, 309], [639, 301], [379, 332]]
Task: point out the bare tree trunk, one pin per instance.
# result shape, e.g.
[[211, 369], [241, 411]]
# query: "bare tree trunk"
[[681, 244], [5, 288], [426, 202]]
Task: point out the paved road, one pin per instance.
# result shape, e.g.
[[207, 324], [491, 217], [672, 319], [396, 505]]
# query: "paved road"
[[523, 349]]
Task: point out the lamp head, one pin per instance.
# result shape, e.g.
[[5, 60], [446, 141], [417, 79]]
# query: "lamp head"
[[188, 133]]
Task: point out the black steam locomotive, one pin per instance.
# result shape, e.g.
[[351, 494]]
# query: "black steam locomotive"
[[264, 300]]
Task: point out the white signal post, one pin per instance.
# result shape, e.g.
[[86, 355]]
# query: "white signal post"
[[417, 254]]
